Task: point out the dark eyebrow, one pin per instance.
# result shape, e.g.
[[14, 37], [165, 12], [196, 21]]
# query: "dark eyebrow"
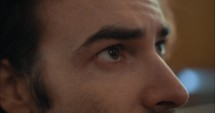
[[164, 32], [116, 33]]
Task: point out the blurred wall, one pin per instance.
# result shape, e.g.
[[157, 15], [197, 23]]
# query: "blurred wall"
[[194, 47], [195, 34]]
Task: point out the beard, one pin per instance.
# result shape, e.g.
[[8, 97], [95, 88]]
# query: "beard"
[[81, 104], [91, 104]]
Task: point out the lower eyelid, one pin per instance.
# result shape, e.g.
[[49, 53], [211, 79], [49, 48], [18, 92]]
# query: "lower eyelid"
[[105, 65]]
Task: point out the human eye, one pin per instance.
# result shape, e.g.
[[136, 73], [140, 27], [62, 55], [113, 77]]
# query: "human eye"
[[112, 54], [161, 47]]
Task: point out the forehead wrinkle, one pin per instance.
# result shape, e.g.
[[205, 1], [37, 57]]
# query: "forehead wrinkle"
[[96, 12], [149, 7], [148, 10]]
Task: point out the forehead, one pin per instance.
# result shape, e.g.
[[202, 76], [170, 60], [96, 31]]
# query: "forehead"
[[87, 6], [74, 10], [66, 18]]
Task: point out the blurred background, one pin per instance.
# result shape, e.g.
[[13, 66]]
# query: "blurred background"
[[193, 53]]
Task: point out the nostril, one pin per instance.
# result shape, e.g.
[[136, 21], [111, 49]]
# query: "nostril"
[[166, 105], [163, 107]]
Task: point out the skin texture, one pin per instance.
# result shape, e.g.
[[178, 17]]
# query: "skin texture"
[[85, 79]]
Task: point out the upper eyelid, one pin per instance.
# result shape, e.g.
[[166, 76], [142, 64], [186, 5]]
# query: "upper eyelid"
[[100, 46], [121, 47]]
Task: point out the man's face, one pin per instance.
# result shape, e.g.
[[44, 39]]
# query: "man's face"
[[105, 56]]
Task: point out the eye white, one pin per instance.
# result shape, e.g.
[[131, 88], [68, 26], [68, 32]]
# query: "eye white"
[[162, 49]]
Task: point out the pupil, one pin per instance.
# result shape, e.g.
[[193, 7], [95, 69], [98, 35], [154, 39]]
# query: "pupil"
[[114, 52]]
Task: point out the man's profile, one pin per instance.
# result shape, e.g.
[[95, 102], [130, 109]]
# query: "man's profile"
[[85, 56]]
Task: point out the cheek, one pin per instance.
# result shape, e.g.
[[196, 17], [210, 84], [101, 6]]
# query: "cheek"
[[73, 90], [75, 98], [120, 89], [96, 90], [81, 103], [85, 103]]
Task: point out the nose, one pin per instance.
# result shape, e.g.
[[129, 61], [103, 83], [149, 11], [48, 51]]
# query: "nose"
[[164, 91]]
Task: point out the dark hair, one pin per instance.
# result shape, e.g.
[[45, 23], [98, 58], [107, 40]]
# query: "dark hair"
[[19, 37], [18, 33]]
